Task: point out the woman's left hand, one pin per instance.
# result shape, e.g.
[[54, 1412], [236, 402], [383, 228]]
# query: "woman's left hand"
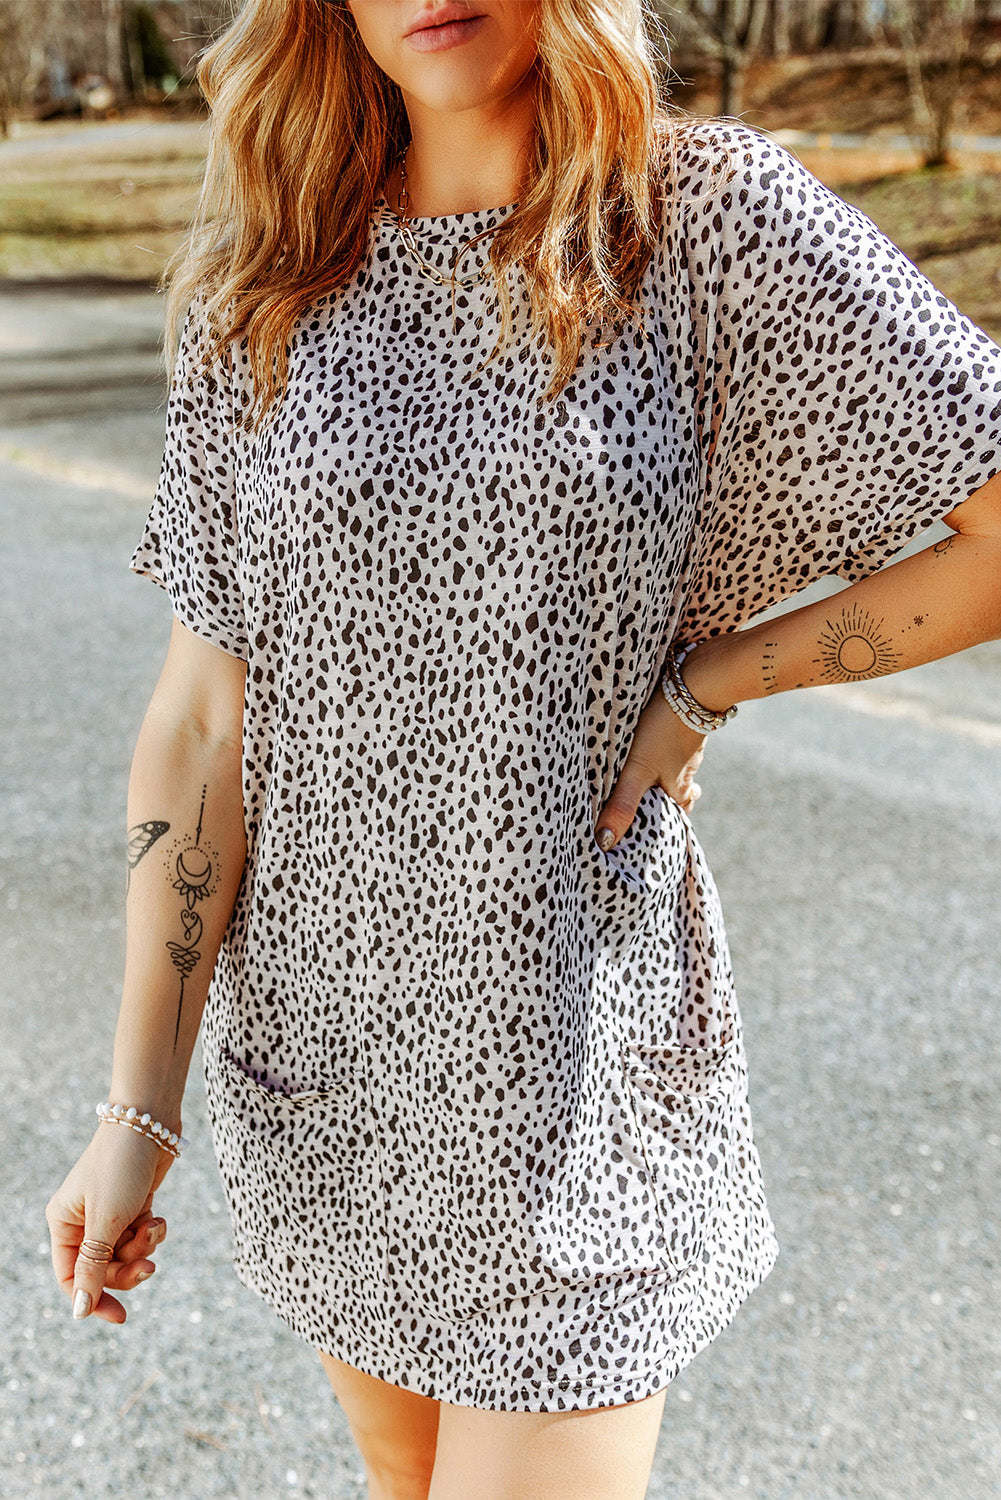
[[665, 752]]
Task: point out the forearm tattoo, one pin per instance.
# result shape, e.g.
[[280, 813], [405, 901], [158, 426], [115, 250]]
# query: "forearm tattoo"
[[141, 839], [192, 867], [855, 647], [769, 669]]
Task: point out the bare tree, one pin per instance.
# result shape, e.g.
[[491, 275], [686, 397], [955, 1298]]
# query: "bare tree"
[[728, 31], [74, 37], [811, 21], [189, 26], [781, 28], [936, 37], [861, 23], [113, 70], [24, 26]]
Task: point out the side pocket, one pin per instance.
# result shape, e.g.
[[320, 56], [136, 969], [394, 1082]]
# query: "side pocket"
[[649, 859], [537, 1187], [300, 1169], [685, 1099]]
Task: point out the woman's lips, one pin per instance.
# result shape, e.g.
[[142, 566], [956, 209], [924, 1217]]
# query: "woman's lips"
[[452, 34]]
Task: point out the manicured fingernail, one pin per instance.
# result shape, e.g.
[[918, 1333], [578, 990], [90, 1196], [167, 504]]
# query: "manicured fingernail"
[[81, 1303], [143, 1275], [606, 838]]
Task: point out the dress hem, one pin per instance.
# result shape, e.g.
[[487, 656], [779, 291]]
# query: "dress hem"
[[410, 1370]]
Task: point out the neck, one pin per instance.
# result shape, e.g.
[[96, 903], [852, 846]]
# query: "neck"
[[456, 165]]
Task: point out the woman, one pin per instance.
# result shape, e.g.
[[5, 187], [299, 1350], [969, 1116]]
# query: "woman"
[[418, 774]]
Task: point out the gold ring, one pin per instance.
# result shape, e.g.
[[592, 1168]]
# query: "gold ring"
[[96, 1250]]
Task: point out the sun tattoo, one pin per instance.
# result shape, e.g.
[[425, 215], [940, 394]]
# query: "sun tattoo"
[[854, 647], [192, 867]]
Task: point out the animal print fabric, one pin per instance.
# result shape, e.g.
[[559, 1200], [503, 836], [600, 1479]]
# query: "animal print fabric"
[[478, 1091]]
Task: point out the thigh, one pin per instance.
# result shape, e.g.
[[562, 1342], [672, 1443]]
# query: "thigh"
[[601, 1454], [395, 1430]]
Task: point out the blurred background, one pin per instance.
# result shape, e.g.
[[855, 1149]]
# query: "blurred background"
[[854, 830], [104, 128]]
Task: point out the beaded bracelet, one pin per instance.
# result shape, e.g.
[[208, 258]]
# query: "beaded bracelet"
[[685, 705], [171, 1141]]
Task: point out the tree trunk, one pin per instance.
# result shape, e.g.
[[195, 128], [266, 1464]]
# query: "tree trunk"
[[861, 23], [113, 44], [780, 28], [731, 76]]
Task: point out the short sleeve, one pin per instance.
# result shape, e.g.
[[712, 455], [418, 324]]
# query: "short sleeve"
[[845, 403], [189, 543]]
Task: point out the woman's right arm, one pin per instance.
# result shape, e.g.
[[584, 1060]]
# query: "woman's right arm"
[[186, 855], [187, 850]]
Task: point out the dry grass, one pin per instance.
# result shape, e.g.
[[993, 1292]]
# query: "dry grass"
[[83, 206], [80, 205]]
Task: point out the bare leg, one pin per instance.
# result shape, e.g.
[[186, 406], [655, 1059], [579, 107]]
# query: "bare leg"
[[600, 1454], [395, 1431]]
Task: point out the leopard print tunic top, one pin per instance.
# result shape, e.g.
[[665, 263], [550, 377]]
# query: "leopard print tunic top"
[[478, 1091]]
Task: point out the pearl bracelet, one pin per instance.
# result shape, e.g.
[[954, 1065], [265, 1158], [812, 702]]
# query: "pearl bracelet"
[[684, 704], [127, 1114]]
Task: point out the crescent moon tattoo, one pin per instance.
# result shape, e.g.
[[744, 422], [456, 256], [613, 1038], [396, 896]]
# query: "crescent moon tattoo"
[[192, 866]]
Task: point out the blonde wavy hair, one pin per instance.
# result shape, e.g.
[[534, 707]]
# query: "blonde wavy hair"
[[305, 128]]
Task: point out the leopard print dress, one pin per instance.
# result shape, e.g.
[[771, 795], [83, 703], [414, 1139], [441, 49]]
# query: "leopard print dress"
[[478, 1091]]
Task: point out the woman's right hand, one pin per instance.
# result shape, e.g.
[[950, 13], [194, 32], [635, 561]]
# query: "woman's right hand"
[[664, 752], [107, 1195]]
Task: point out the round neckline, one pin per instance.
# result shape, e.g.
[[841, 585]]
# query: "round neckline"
[[468, 216]]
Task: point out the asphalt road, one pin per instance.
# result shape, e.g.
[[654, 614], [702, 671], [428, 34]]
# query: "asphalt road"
[[855, 835]]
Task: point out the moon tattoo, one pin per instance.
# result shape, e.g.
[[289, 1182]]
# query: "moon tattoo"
[[192, 866], [854, 647], [140, 841]]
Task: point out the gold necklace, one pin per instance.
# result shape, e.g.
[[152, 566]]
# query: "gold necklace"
[[406, 234]]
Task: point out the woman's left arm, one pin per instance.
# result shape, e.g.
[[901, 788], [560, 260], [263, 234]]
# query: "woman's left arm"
[[924, 606], [843, 404], [930, 604]]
